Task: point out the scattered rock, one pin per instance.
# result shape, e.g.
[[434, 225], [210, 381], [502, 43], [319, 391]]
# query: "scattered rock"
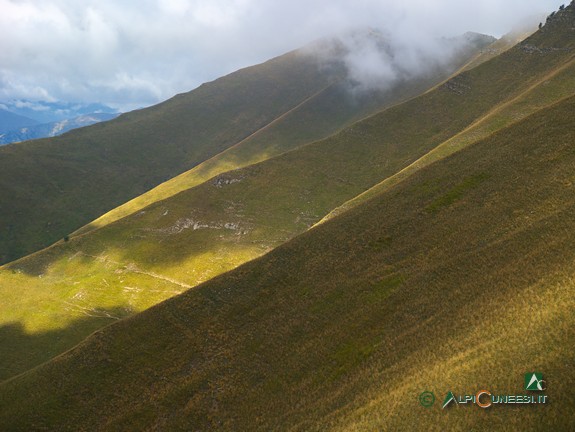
[[225, 180], [532, 49], [188, 223], [458, 85]]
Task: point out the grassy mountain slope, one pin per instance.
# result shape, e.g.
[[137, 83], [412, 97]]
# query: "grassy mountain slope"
[[211, 228], [558, 84], [459, 278], [321, 115], [50, 188]]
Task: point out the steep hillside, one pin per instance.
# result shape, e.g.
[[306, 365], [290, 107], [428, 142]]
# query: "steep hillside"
[[50, 188], [459, 278], [558, 84], [321, 115], [127, 266]]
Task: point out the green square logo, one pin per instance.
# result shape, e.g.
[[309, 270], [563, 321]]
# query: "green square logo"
[[534, 381]]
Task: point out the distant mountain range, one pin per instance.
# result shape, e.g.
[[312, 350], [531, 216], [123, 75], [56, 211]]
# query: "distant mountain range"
[[10, 121], [50, 112], [47, 130]]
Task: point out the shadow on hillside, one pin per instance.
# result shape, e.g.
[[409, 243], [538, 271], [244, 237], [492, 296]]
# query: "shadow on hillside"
[[21, 350], [182, 228]]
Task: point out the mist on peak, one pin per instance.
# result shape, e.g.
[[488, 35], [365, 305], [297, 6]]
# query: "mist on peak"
[[376, 60]]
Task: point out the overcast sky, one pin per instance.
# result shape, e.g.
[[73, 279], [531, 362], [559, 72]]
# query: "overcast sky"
[[133, 53]]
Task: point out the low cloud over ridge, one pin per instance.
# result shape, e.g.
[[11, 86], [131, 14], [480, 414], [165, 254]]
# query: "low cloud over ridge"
[[135, 53]]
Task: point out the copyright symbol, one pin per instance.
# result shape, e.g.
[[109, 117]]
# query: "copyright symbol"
[[426, 399]]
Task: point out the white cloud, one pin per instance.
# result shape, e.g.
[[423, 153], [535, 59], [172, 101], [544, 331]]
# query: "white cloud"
[[137, 52], [33, 106]]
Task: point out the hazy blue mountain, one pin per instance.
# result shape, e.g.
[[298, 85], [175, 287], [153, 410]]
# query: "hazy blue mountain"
[[52, 129], [10, 121], [48, 112]]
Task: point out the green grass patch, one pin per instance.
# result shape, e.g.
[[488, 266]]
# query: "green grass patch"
[[457, 192], [385, 287]]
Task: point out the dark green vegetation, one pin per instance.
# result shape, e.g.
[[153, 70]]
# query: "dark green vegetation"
[[456, 192], [447, 266], [49, 188]]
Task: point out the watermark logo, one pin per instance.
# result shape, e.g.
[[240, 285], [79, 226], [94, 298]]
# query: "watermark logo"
[[534, 381], [426, 399], [484, 398]]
